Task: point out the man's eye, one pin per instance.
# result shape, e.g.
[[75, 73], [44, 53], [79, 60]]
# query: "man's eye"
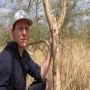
[[20, 28], [27, 29]]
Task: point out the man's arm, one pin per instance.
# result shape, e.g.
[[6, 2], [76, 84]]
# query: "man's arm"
[[46, 63]]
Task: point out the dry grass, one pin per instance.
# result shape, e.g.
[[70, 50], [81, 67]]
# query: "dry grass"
[[75, 72], [74, 65]]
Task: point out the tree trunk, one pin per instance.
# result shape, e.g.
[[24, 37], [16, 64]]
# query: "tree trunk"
[[56, 27], [56, 70]]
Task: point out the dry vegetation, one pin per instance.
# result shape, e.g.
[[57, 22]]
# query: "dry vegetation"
[[74, 65]]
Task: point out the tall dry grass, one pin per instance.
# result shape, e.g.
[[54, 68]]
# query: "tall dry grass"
[[74, 65]]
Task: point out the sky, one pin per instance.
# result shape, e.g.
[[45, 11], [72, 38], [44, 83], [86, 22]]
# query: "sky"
[[5, 10], [81, 3], [1, 1]]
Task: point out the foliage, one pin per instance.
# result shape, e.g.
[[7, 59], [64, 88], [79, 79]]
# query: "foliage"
[[77, 16], [5, 37]]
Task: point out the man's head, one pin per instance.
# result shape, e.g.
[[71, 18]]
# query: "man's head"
[[20, 28]]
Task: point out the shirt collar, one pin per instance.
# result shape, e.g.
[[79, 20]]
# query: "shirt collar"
[[15, 46]]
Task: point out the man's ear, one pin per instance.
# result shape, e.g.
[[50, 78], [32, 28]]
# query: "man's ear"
[[12, 31]]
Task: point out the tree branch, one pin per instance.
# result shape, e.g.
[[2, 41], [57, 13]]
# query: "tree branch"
[[50, 18], [30, 5], [62, 15], [37, 42]]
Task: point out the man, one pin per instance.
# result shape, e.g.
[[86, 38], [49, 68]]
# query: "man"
[[15, 62]]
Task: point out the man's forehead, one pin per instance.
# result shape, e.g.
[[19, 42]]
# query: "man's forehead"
[[22, 21]]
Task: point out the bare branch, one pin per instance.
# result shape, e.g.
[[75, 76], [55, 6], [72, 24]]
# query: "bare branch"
[[50, 18], [62, 14], [37, 42], [30, 6]]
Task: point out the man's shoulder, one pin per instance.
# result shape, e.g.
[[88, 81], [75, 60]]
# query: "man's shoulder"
[[5, 55], [5, 62]]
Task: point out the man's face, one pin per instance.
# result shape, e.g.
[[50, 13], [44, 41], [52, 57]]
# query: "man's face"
[[21, 33]]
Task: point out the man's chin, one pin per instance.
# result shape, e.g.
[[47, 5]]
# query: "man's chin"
[[23, 45]]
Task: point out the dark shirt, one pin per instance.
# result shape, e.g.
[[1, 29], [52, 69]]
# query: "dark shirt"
[[11, 73]]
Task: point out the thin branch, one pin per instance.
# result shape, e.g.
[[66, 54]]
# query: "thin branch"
[[37, 42], [28, 6]]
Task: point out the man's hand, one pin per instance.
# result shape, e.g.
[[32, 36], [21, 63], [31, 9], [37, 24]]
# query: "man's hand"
[[46, 64]]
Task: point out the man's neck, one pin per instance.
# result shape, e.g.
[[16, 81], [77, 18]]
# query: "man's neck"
[[20, 51]]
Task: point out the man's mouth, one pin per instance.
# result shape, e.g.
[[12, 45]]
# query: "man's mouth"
[[23, 40]]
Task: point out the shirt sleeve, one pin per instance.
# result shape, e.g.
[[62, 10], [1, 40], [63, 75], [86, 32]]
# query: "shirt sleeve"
[[34, 69], [5, 70]]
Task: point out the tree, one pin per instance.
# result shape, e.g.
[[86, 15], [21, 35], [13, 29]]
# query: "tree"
[[56, 27]]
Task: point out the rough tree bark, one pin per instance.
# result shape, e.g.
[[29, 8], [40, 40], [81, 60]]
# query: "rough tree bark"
[[56, 26]]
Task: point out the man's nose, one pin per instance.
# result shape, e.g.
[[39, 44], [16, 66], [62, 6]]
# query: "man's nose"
[[24, 31]]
